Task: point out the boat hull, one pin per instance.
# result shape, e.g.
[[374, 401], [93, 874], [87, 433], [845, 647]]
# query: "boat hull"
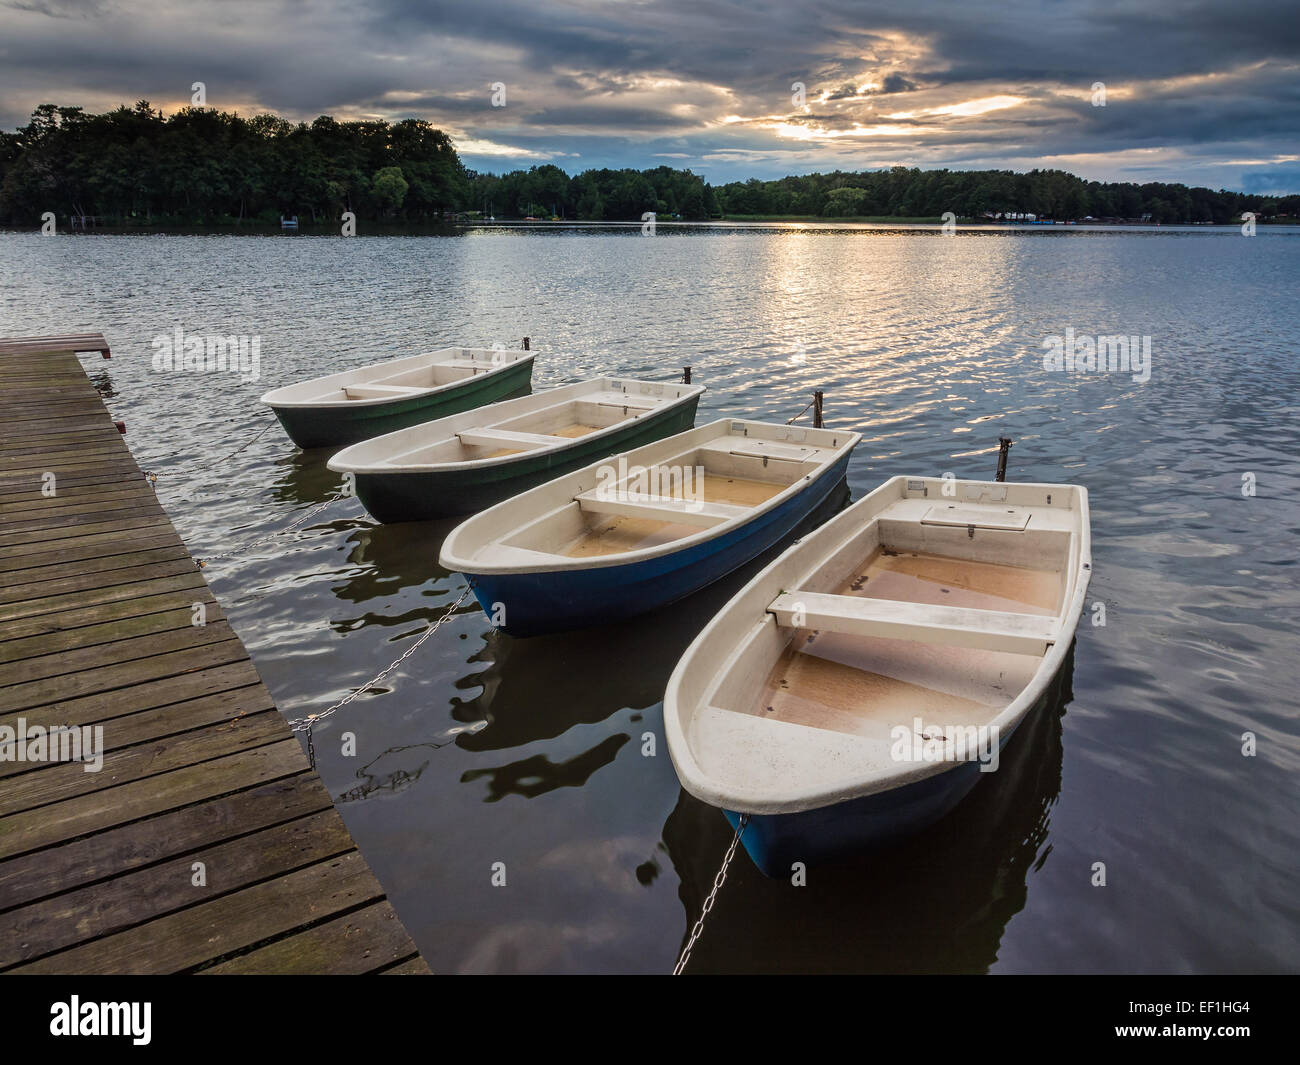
[[419, 496], [338, 426], [531, 604], [774, 842]]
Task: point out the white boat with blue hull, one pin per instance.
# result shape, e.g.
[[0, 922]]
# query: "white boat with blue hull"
[[645, 528], [855, 690]]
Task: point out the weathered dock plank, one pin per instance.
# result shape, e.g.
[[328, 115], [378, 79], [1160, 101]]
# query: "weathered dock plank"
[[109, 854], [229, 924], [101, 567], [375, 929], [229, 708], [84, 636], [80, 916], [32, 790], [98, 870], [157, 694], [25, 601], [66, 620]]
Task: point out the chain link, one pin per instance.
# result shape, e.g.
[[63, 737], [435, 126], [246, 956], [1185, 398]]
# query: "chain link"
[[252, 440], [801, 413], [291, 527], [718, 881], [308, 723], [152, 477]]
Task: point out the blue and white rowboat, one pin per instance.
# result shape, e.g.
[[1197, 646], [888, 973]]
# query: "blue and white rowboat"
[[645, 528], [853, 692]]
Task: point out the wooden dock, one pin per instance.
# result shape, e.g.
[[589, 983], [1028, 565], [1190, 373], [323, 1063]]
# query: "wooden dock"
[[100, 871]]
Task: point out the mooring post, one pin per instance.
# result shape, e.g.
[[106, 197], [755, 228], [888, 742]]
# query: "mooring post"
[[817, 409], [686, 375], [526, 342], [1004, 446]]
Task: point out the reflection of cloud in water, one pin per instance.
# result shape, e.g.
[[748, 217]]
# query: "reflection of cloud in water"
[[614, 864], [537, 775], [547, 947]]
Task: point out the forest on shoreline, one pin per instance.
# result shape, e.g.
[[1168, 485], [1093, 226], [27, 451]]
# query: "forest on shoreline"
[[134, 167]]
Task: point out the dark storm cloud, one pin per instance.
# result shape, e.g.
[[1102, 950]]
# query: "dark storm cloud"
[[1203, 90], [896, 83], [890, 83]]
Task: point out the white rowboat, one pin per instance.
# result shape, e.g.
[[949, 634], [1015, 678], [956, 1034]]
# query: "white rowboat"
[[648, 526], [853, 691]]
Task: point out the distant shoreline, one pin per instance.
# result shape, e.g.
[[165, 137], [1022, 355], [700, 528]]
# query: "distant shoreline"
[[967, 222], [734, 222]]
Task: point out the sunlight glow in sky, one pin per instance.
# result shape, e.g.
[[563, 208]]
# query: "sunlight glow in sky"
[[1200, 91]]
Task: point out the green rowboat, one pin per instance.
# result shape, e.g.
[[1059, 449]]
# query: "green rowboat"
[[472, 461], [344, 408]]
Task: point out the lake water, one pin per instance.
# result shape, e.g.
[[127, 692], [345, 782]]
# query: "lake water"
[[484, 749]]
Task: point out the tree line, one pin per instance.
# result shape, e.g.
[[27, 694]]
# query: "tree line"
[[900, 192], [201, 166], [1055, 194], [595, 195]]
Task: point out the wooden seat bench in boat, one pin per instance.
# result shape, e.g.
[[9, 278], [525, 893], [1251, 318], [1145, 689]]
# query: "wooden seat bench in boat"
[[380, 391], [489, 437], [630, 403], [660, 508], [988, 630], [469, 364], [1008, 519], [766, 449]]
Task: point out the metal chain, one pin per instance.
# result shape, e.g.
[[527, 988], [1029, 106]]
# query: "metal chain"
[[718, 881], [801, 413], [291, 527], [306, 724], [253, 440], [152, 477]]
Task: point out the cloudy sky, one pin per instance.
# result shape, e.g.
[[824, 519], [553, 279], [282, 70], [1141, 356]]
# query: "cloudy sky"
[[1201, 91]]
